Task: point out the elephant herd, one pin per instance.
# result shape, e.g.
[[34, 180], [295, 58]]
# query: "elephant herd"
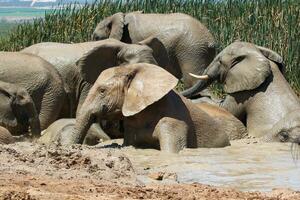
[[121, 85]]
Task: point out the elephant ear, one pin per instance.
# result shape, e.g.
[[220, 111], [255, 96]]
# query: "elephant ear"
[[160, 53], [273, 56], [149, 83], [7, 116], [249, 72], [117, 26], [98, 59]]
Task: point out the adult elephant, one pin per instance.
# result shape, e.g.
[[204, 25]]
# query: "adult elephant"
[[80, 64], [190, 45], [17, 110], [257, 92], [153, 114], [42, 82]]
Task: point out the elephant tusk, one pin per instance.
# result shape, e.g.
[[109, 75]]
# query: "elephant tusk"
[[203, 77]]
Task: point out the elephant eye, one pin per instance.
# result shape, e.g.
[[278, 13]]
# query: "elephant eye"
[[102, 90], [237, 60], [283, 136]]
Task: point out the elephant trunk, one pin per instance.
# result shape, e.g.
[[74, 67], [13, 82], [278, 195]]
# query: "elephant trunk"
[[83, 123], [35, 127], [209, 75], [33, 120]]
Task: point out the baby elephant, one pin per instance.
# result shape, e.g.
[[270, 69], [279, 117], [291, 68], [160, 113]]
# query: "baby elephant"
[[17, 110], [62, 128], [153, 114]]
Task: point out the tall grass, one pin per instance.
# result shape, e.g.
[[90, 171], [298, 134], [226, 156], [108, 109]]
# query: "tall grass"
[[271, 23]]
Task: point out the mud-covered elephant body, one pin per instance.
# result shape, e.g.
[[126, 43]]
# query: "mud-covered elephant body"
[[257, 92], [80, 64], [189, 44], [235, 128], [40, 79], [153, 114], [62, 128]]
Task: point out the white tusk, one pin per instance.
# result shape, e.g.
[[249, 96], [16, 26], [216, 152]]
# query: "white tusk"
[[203, 77]]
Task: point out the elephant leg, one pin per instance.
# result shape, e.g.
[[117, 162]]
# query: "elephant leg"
[[51, 107], [172, 134]]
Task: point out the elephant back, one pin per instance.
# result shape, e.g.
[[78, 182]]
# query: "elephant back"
[[61, 54]]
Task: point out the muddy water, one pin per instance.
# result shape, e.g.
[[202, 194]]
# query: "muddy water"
[[247, 167]]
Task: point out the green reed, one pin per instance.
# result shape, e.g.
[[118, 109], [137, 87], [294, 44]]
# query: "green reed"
[[271, 23]]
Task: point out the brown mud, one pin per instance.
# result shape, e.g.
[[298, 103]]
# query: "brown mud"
[[32, 171]]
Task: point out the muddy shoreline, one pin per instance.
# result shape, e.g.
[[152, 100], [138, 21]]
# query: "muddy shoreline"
[[33, 171]]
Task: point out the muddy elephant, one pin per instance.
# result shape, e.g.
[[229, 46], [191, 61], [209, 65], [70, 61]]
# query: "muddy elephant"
[[42, 82], [17, 110], [63, 127], [153, 114], [257, 92], [80, 64], [5, 136], [285, 130], [190, 45], [235, 128]]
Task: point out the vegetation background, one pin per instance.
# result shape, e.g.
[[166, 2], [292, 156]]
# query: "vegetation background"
[[274, 24]]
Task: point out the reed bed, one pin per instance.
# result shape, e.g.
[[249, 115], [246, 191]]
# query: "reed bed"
[[271, 23]]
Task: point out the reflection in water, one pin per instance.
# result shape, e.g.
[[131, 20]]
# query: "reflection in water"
[[261, 166]]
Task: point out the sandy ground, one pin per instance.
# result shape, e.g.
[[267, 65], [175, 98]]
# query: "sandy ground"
[[31, 171]]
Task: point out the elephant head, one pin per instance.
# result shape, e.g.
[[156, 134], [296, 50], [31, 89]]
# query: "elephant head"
[[286, 130], [110, 27], [114, 53], [17, 110], [240, 66], [122, 92]]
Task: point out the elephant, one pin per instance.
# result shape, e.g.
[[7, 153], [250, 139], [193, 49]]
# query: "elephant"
[[189, 44], [285, 130], [80, 64], [5, 136], [42, 82], [257, 92], [17, 110], [235, 128], [153, 114], [63, 127]]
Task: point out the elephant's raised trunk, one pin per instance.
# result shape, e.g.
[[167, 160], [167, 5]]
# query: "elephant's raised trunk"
[[209, 75], [199, 86]]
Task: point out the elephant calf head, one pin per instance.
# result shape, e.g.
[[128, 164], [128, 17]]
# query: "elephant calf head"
[[240, 66], [122, 92], [17, 110]]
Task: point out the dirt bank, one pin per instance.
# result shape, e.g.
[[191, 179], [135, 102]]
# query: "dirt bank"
[[30, 171]]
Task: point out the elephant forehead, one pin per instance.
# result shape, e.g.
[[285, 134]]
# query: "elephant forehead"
[[112, 74]]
